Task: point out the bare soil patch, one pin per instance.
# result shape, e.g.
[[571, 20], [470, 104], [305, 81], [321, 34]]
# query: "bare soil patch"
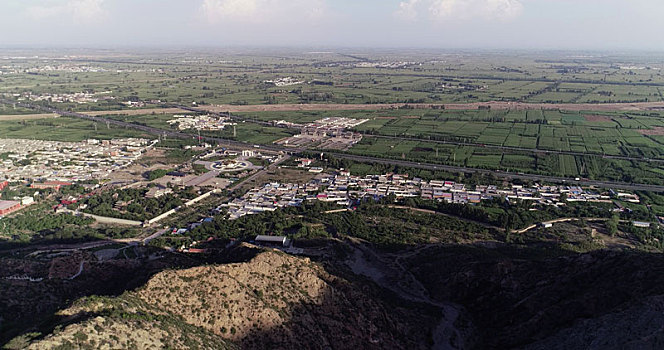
[[597, 118], [138, 111], [656, 131], [27, 116]]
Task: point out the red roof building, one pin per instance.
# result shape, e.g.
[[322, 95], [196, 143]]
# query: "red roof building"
[[50, 184], [7, 207]]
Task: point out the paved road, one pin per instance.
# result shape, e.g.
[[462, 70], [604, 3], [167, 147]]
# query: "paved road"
[[155, 235], [80, 271], [501, 174], [257, 174]]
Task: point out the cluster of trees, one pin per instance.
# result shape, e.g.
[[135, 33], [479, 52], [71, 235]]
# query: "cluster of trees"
[[512, 215], [43, 223], [371, 221], [652, 236], [157, 173], [295, 222], [80, 233], [139, 207]]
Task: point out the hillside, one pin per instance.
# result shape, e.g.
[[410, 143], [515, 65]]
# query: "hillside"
[[125, 322], [517, 298], [481, 296], [271, 301]]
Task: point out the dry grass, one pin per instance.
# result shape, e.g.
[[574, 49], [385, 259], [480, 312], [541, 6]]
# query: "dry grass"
[[8, 117], [657, 131]]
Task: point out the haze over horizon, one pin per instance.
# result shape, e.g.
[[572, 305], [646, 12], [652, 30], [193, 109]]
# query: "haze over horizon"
[[491, 24]]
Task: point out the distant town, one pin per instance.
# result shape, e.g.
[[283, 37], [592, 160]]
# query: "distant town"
[[34, 160]]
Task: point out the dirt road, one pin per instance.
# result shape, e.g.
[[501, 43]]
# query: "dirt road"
[[7, 117], [605, 107], [496, 105], [394, 277]]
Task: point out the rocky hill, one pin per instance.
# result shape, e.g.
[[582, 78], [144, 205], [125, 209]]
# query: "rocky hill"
[[271, 301], [124, 322], [482, 296]]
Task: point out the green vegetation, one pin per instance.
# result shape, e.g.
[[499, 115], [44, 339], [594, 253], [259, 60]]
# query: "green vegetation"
[[158, 173], [64, 129], [238, 78], [230, 79], [131, 204], [34, 223]]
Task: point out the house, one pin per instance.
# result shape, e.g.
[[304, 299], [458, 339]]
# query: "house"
[[27, 200], [176, 174], [3, 185], [304, 162], [195, 251], [641, 224], [69, 200], [156, 192], [271, 240], [7, 207], [56, 185]]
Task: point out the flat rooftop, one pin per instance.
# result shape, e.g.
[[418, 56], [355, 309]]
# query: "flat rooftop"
[[8, 204]]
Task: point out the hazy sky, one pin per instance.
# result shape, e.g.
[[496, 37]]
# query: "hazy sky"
[[574, 24]]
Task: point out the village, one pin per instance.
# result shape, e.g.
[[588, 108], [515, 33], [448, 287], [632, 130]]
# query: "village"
[[77, 97], [68, 161], [200, 122], [347, 190], [52, 165], [281, 82], [327, 133]]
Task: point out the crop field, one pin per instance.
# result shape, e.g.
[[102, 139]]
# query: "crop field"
[[248, 132], [610, 134], [245, 78], [373, 85], [63, 129], [592, 167], [618, 135], [508, 139]]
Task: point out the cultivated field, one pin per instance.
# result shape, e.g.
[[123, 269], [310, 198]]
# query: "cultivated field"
[[553, 113], [27, 116]]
